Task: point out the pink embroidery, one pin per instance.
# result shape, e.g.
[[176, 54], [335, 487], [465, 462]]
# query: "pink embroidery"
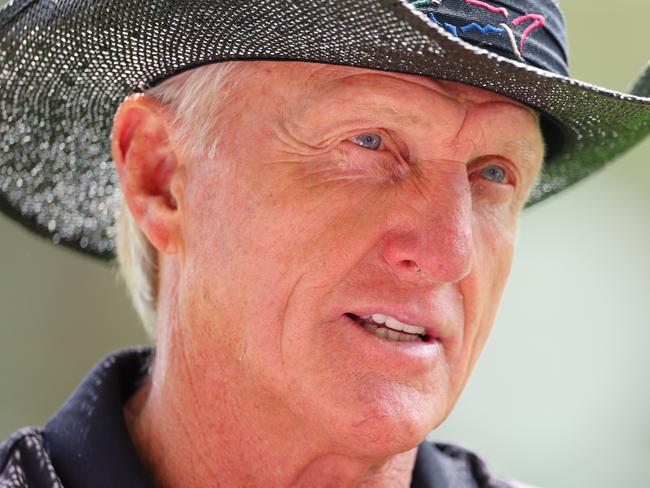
[[491, 8], [538, 21]]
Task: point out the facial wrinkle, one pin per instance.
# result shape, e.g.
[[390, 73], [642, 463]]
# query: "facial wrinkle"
[[287, 136], [190, 434], [419, 81], [388, 88], [447, 89], [284, 310]]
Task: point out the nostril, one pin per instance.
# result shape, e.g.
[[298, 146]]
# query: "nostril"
[[410, 265]]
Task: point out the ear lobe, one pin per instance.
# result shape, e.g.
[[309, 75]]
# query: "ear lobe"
[[148, 169]]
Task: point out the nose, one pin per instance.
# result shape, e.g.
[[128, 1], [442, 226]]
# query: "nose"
[[429, 234]]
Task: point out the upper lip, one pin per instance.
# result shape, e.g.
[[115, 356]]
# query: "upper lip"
[[432, 329]]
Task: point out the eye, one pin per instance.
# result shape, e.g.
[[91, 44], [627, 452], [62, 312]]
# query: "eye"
[[370, 141], [494, 173]]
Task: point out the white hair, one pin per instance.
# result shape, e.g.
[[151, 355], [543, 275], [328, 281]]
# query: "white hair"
[[195, 100]]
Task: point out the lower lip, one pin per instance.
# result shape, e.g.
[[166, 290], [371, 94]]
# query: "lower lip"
[[416, 353]]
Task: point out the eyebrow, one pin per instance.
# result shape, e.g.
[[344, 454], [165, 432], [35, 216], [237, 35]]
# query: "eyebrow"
[[522, 146], [525, 149]]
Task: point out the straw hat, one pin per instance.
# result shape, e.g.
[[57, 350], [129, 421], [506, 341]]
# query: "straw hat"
[[65, 66]]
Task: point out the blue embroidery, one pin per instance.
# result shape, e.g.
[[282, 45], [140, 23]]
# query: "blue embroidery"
[[483, 30], [449, 27]]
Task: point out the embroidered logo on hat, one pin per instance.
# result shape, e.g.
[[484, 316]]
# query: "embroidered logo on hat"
[[517, 30]]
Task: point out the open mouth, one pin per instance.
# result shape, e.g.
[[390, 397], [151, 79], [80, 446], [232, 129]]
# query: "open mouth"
[[389, 328]]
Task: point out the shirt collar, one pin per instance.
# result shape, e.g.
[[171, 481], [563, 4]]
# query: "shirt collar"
[[88, 439]]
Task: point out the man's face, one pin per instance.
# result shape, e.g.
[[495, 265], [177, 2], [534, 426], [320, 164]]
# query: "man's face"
[[338, 194]]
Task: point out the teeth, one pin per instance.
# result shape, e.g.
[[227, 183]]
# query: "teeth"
[[391, 335], [409, 329], [395, 324], [378, 318]]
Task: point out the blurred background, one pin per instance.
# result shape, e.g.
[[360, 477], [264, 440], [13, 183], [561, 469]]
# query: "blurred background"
[[561, 395]]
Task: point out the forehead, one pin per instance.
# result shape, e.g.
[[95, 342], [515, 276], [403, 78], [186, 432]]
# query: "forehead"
[[309, 96], [318, 104], [299, 80]]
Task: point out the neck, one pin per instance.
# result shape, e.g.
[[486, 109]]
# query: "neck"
[[237, 449]]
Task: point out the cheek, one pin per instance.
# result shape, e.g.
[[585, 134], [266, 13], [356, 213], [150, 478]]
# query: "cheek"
[[494, 243], [255, 242]]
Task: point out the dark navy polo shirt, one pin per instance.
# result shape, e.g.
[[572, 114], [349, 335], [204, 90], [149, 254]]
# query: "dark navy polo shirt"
[[86, 444]]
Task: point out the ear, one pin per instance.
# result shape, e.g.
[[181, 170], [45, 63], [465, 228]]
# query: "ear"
[[148, 169]]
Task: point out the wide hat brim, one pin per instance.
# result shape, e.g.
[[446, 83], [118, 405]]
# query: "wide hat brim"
[[66, 65]]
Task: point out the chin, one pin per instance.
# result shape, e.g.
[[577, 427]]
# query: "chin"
[[383, 437], [384, 425]]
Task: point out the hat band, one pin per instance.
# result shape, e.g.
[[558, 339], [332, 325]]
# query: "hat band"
[[527, 30]]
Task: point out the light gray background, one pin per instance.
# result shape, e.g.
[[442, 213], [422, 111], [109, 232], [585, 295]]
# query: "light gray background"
[[560, 396]]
